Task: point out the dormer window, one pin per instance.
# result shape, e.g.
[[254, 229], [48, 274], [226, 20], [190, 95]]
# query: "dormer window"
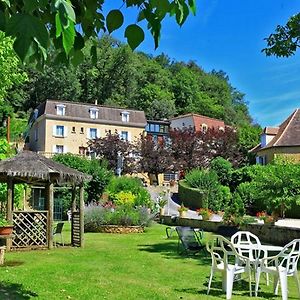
[[94, 113], [60, 109], [221, 128], [125, 116], [204, 128]]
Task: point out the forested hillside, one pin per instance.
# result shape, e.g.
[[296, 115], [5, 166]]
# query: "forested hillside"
[[160, 86]]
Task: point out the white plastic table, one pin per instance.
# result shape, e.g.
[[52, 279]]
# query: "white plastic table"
[[264, 248]]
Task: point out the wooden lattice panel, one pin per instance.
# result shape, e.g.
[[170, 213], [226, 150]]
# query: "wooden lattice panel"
[[30, 229], [76, 229]]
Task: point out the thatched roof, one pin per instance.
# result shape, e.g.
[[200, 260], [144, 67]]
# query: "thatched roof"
[[31, 167]]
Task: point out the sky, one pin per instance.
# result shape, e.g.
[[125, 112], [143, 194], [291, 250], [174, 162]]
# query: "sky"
[[229, 35]]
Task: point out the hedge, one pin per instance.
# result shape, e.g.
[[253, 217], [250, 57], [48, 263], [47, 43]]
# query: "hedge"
[[190, 197]]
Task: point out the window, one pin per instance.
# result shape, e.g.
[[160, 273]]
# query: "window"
[[204, 128], [94, 113], [125, 116], [82, 150], [221, 128], [59, 149], [60, 130], [124, 135], [73, 129], [148, 127], [60, 109], [162, 129], [152, 127], [261, 160], [81, 130], [93, 133]]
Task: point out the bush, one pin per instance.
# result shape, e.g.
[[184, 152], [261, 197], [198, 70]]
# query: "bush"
[[132, 185], [248, 191], [97, 215], [234, 211], [245, 174], [95, 167], [223, 169], [213, 195], [124, 198], [191, 197]]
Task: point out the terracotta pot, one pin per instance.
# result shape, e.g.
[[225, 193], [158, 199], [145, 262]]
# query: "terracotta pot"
[[182, 214], [205, 217], [6, 230]]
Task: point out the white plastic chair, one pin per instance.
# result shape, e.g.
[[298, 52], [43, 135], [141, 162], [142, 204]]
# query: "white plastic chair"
[[242, 238], [221, 250], [281, 266]]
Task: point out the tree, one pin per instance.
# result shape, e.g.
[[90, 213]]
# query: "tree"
[[286, 39], [95, 167], [114, 149], [191, 149], [157, 102], [9, 65], [11, 74], [154, 156], [66, 25]]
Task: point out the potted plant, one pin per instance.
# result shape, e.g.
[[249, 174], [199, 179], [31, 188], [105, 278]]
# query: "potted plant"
[[182, 211], [6, 227], [205, 213], [161, 203], [262, 215]]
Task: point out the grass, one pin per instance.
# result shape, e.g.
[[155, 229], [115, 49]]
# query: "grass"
[[135, 266]]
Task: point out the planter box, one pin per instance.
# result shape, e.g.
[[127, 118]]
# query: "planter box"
[[6, 230], [118, 229]]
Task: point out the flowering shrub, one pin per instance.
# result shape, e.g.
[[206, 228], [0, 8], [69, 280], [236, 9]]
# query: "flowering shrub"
[[131, 185], [125, 198], [97, 215], [262, 215], [205, 213]]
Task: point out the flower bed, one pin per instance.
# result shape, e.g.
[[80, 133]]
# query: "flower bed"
[[98, 218], [119, 229]]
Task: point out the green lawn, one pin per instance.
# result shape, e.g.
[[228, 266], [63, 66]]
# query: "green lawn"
[[135, 266]]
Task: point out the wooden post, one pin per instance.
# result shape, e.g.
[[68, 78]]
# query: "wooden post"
[[9, 207], [73, 209], [73, 199], [49, 196], [81, 215]]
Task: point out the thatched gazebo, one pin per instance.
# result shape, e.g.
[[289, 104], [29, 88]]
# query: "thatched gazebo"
[[33, 229]]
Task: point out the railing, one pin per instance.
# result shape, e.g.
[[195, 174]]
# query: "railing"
[[30, 229]]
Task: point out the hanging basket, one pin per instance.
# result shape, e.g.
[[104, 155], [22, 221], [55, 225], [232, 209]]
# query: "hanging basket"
[[6, 230]]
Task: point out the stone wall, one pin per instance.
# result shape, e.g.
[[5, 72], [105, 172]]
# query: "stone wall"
[[119, 229], [276, 235]]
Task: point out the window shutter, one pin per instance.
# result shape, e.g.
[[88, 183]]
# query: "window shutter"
[[54, 148], [65, 131], [129, 136], [65, 149], [98, 133], [88, 133], [54, 130]]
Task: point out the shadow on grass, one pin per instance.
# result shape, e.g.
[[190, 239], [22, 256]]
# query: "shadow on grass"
[[12, 263], [170, 250], [240, 288], [15, 291]]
